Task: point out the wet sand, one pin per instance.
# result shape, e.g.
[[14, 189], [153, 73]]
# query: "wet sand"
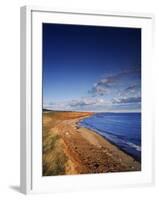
[[85, 151]]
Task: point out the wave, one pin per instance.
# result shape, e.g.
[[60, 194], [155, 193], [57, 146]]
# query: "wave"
[[138, 148]]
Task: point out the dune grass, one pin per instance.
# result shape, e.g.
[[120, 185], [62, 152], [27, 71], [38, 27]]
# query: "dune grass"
[[54, 158]]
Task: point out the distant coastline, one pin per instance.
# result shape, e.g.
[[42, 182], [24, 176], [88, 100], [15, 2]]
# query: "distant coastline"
[[53, 110]]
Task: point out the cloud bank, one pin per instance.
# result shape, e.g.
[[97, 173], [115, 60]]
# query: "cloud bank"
[[112, 92], [103, 86]]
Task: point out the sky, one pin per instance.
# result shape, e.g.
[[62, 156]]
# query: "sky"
[[91, 68]]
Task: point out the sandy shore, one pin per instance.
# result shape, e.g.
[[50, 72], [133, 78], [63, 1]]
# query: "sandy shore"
[[77, 150]]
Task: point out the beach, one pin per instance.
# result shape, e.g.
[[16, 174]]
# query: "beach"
[[72, 149]]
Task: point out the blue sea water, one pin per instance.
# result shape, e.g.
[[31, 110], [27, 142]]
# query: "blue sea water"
[[121, 129]]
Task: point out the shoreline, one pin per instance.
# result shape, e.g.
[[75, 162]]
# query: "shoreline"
[[86, 151], [112, 143]]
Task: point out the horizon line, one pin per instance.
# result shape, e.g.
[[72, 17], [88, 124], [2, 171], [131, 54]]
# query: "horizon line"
[[92, 111]]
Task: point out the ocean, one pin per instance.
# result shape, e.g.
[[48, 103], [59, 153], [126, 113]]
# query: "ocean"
[[121, 129]]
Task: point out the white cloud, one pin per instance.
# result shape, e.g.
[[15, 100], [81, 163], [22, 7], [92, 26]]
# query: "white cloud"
[[123, 100]]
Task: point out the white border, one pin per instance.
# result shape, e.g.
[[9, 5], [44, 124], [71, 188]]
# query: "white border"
[[31, 140]]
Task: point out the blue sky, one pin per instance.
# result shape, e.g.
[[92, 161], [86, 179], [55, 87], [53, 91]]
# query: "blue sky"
[[91, 68]]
